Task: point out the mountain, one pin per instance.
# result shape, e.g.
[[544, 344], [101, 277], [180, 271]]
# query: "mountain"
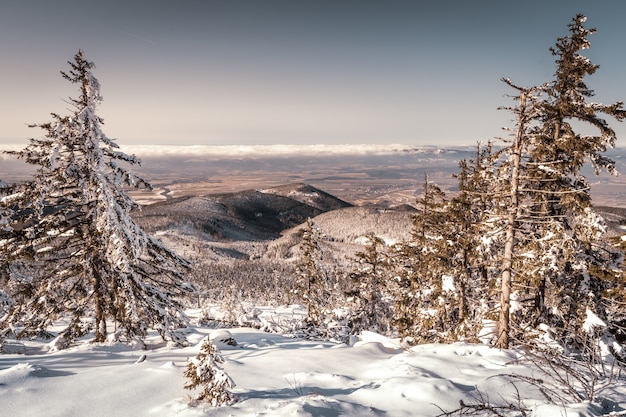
[[309, 195], [266, 223], [252, 215], [345, 232]]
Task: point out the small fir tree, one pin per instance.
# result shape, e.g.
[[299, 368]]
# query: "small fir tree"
[[311, 277], [204, 372], [421, 300], [369, 289]]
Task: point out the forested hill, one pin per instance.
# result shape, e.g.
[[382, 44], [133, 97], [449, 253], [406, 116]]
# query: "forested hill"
[[251, 215], [256, 215]]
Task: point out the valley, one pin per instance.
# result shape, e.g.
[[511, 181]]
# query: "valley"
[[384, 175]]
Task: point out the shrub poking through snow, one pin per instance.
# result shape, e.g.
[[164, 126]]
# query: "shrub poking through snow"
[[204, 372]]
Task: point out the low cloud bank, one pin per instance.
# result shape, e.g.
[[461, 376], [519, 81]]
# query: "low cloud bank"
[[250, 151]]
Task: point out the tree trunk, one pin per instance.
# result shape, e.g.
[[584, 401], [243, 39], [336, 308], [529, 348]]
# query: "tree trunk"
[[101, 325], [463, 279], [539, 302], [504, 321]]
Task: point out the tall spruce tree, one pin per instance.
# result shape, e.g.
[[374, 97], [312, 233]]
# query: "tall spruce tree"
[[369, 282], [563, 194], [550, 219], [469, 257], [422, 300], [75, 251], [311, 277]]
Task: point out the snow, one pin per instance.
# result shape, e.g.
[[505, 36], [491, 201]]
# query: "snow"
[[275, 375], [447, 283], [592, 322]]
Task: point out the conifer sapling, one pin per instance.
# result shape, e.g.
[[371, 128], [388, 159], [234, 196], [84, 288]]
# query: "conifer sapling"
[[204, 372]]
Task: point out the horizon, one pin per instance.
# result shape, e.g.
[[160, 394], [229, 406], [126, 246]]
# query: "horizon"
[[286, 149], [359, 173]]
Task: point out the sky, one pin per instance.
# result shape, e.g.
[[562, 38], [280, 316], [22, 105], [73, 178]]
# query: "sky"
[[231, 72]]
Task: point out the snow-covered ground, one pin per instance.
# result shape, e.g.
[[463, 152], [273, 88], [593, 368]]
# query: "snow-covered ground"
[[275, 375]]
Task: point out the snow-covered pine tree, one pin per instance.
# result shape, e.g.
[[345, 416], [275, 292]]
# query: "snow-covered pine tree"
[[369, 283], [421, 298], [445, 275], [550, 219], [6, 212], [76, 251], [470, 260], [204, 371], [615, 295], [311, 277], [559, 154], [509, 212]]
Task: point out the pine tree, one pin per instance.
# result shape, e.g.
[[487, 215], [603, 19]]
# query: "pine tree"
[[421, 300], [311, 277], [369, 289], [615, 295], [550, 219], [75, 249], [443, 279], [557, 159], [469, 259], [511, 213], [204, 371]]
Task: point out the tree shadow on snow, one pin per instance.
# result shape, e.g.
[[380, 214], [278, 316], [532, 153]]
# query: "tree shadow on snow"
[[301, 391], [339, 409], [42, 372], [322, 407]]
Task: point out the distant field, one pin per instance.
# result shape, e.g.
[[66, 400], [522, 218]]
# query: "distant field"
[[359, 179], [359, 174]]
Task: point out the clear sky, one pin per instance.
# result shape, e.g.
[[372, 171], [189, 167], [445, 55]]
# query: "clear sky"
[[213, 72]]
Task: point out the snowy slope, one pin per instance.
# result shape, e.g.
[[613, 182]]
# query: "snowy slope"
[[275, 376]]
